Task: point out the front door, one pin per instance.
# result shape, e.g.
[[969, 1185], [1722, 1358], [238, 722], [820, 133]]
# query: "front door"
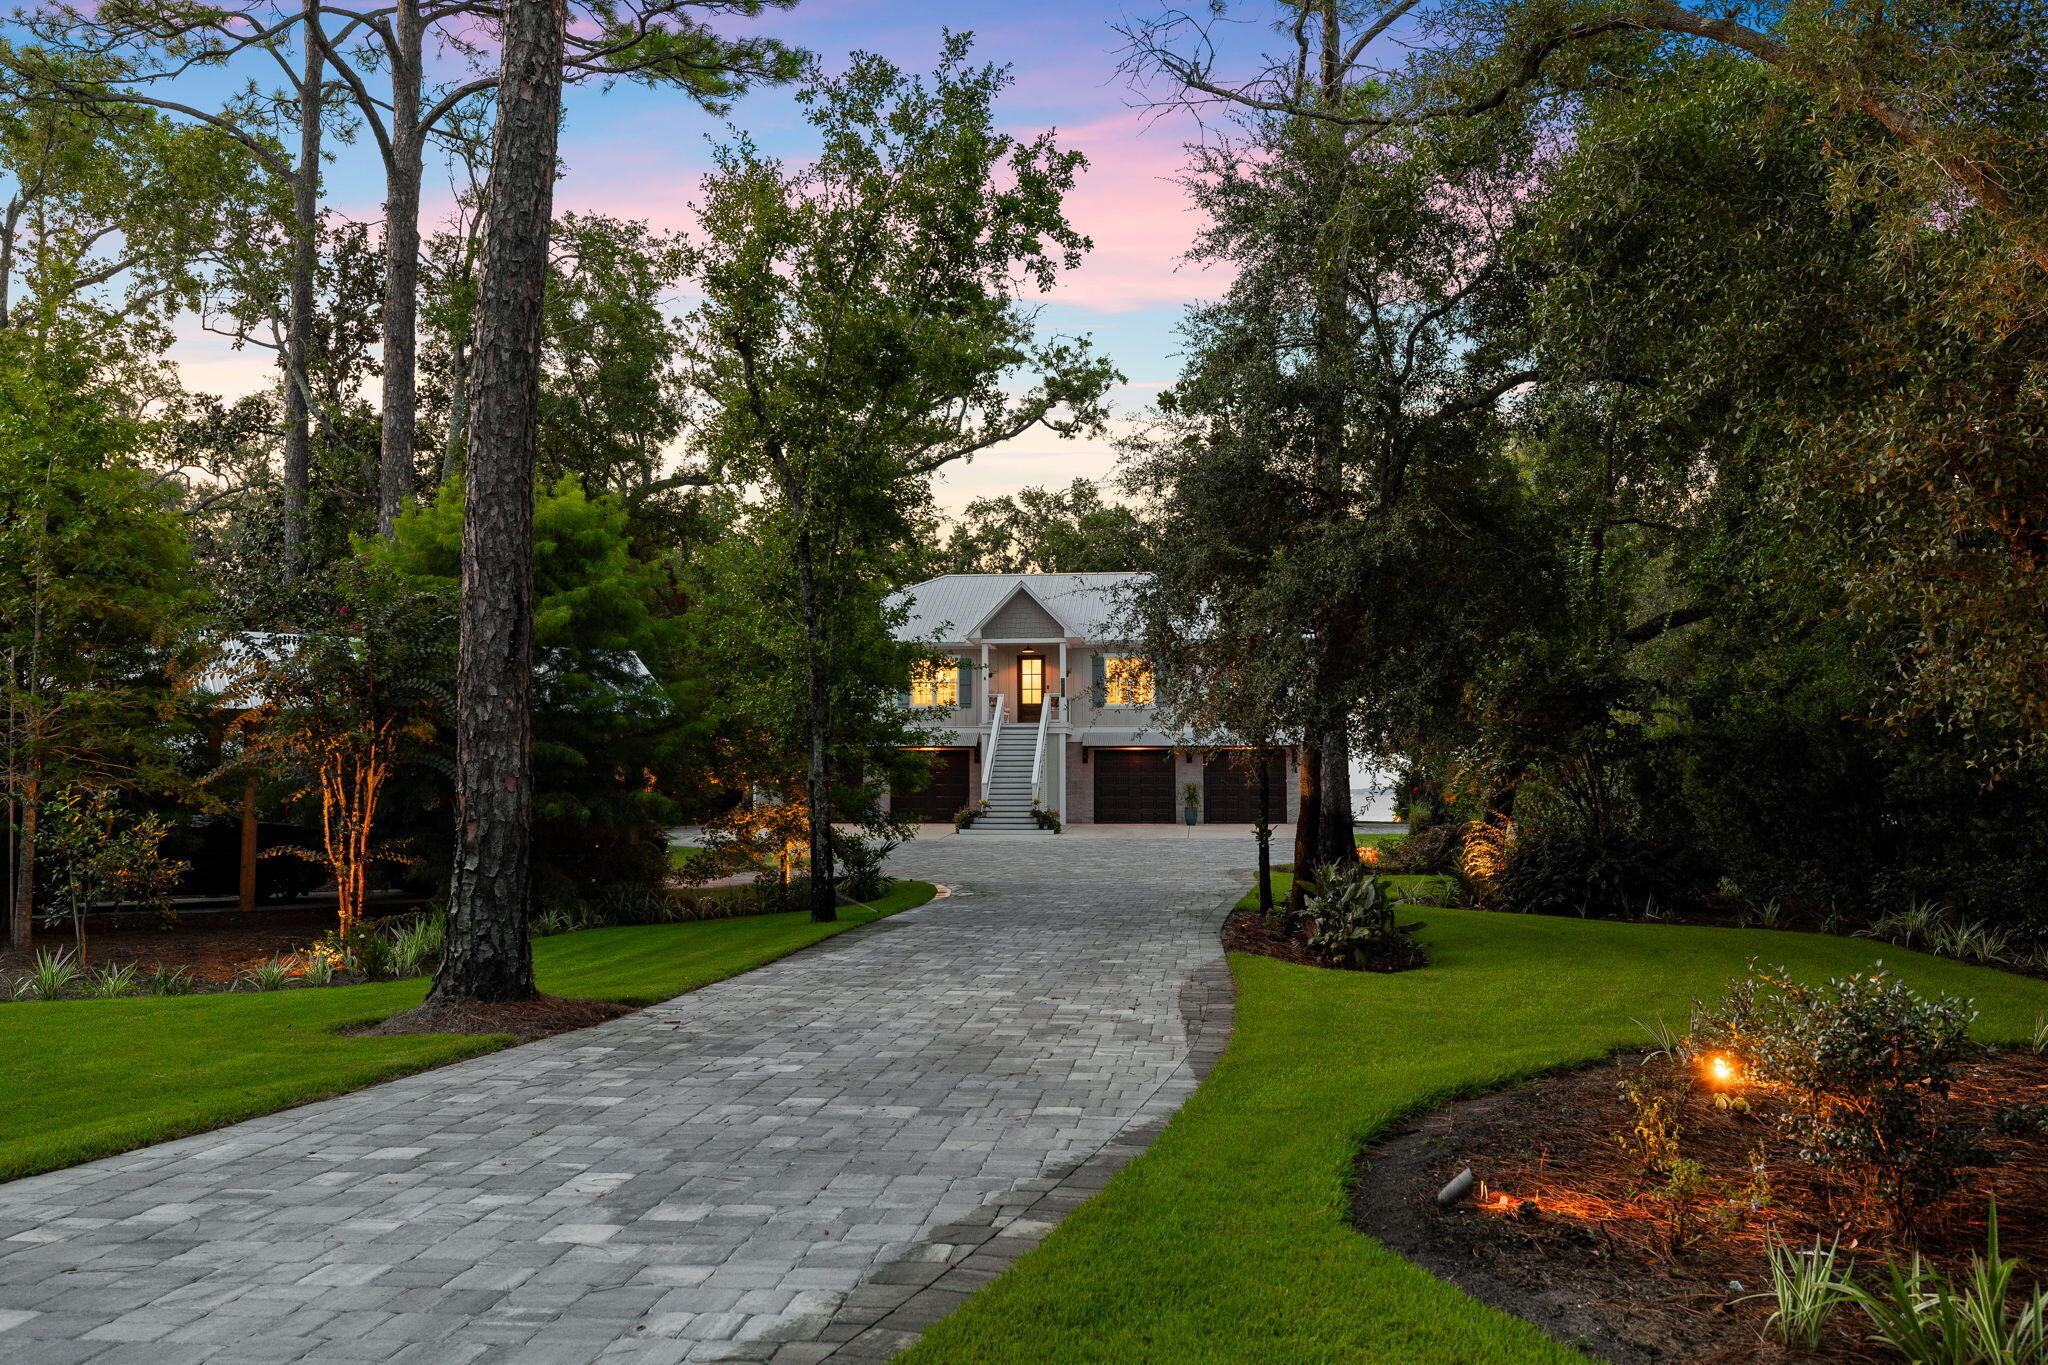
[[1030, 686]]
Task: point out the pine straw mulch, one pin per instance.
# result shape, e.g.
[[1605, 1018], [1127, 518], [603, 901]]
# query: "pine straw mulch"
[[1563, 1232], [1247, 931], [526, 1020]]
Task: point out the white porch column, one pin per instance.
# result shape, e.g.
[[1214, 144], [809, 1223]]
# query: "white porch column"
[[1065, 700]]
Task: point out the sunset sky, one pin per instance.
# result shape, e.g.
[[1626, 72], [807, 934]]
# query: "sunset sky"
[[638, 153]]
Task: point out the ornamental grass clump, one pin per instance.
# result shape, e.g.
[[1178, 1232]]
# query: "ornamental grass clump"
[[1864, 1067]]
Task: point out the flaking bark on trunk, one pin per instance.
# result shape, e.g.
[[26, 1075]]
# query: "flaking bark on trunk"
[[489, 956], [21, 922], [402, 268], [298, 433]]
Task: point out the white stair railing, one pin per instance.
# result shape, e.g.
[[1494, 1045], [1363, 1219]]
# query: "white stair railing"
[[1046, 706], [996, 703]]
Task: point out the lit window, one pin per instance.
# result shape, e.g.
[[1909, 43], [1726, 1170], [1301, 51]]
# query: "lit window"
[[1129, 681], [934, 684]]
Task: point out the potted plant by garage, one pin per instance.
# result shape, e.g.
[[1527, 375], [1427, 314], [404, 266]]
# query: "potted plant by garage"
[[1191, 800]]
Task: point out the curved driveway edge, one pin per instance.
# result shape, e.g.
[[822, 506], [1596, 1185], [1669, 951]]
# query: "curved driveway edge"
[[817, 1158]]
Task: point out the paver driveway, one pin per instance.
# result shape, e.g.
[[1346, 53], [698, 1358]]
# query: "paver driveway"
[[817, 1158]]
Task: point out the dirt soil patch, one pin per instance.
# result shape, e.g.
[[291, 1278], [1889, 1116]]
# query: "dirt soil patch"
[[1247, 931], [1563, 1230], [526, 1020], [215, 947]]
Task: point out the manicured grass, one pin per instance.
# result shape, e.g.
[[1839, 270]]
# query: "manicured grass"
[[1227, 1241], [87, 1078]]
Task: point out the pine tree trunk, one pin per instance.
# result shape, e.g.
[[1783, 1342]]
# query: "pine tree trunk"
[[401, 268], [298, 434], [489, 956]]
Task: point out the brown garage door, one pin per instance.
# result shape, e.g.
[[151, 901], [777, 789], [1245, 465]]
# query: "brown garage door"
[[1133, 786], [944, 796], [1230, 788]]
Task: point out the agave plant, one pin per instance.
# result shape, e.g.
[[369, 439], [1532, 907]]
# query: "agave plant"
[[274, 974], [53, 975], [167, 981], [112, 982], [1927, 1317], [1806, 1289], [416, 943]]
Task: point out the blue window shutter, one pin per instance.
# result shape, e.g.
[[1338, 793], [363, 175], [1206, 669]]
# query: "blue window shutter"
[[1099, 684], [966, 676]]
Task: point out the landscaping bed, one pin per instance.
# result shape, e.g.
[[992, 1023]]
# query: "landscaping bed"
[[1565, 1231], [1230, 1238]]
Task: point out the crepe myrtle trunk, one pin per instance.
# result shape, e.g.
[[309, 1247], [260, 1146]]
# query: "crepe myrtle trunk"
[[817, 717], [401, 269], [21, 917], [298, 329], [489, 956]]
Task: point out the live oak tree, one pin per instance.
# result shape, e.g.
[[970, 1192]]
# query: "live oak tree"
[[1328, 436], [861, 330], [1046, 530], [489, 956]]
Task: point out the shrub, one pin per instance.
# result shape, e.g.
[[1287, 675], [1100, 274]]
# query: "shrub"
[[1865, 1066], [1432, 851], [860, 865], [1047, 819], [1564, 869], [1350, 919], [161, 980], [369, 952]]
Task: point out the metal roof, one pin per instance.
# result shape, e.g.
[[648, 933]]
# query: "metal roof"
[[947, 608]]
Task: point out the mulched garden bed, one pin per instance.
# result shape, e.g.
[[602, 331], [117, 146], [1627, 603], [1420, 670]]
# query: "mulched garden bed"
[[1247, 931], [1564, 1234], [215, 947], [526, 1020]]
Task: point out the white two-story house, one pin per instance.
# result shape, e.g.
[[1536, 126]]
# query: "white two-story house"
[[1030, 699]]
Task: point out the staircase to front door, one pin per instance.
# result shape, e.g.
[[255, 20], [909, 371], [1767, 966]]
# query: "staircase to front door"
[[1009, 782]]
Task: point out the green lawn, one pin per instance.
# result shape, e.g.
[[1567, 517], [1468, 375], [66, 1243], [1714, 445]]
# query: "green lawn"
[[87, 1078], [1227, 1240]]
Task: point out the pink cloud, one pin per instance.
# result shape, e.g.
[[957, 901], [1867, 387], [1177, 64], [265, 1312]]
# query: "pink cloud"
[[1141, 221]]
